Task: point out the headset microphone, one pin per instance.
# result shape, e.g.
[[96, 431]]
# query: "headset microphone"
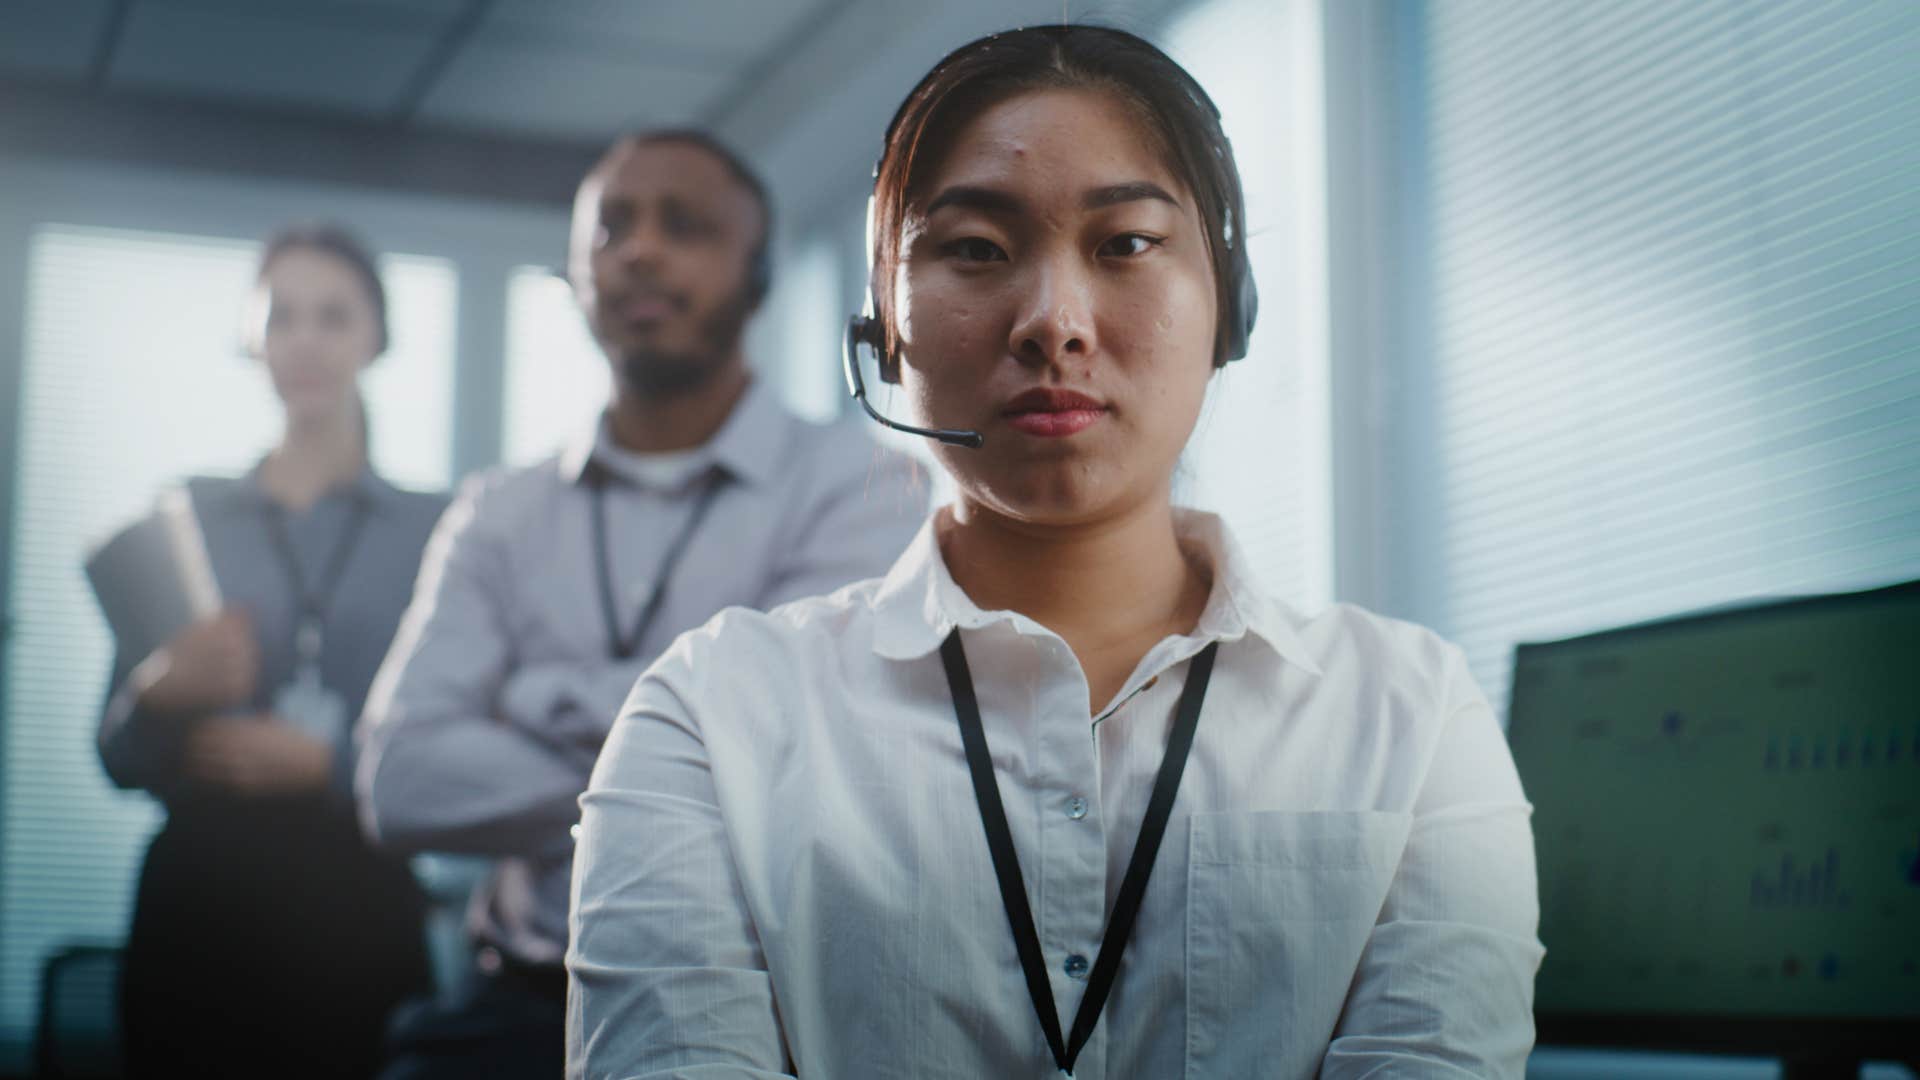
[[860, 329]]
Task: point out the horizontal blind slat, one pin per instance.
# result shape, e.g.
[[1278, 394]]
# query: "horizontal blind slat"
[[1674, 310]]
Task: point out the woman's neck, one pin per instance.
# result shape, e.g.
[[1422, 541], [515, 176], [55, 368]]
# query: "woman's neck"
[[315, 456], [1111, 590]]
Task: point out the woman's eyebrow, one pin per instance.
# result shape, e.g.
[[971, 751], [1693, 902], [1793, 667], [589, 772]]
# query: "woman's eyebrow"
[[998, 201], [969, 197], [1114, 194]]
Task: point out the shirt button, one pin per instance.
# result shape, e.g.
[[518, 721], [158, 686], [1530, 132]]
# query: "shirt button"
[[1077, 807], [1077, 966]]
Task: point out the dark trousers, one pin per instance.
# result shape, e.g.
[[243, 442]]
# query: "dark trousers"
[[267, 941], [507, 1025]]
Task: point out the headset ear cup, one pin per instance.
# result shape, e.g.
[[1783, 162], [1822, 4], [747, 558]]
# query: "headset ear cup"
[[1244, 303], [759, 277]]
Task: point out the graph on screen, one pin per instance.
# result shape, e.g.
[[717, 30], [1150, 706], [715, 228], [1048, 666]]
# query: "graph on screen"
[[1727, 811]]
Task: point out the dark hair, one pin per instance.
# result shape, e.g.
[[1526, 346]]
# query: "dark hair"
[[760, 259], [334, 240], [1178, 114]]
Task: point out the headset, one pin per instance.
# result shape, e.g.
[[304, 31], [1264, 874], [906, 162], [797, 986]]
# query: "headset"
[[1240, 304], [760, 269]]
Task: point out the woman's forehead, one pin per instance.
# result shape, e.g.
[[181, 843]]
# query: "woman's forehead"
[[1059, 141], [309, 272]]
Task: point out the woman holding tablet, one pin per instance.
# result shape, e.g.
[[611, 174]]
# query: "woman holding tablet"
[[268, 938], [1065, 790]]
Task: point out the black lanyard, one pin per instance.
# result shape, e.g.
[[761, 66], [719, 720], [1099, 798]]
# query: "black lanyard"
[[623, 647], [1006, 862], [312, 600]]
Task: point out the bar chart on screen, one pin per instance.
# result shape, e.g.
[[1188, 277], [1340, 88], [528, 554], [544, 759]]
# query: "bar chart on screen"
[[1801, 885], [1728, 838]]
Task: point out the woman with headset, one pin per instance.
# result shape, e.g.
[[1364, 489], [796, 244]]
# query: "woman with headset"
[[267, 938], [1065, 789]]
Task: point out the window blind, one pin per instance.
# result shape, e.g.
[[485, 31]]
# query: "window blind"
[[132, 379], [556, 375], [1261, 456], [1668, 348]]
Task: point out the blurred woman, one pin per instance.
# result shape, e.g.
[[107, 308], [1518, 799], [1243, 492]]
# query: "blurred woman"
[[1066, 791], [267, 939]]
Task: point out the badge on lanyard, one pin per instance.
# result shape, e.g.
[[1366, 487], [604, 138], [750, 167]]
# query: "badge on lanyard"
[[304, 701]]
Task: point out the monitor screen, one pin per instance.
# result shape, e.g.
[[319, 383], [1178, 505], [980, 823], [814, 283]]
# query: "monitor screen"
[[1727, 813]]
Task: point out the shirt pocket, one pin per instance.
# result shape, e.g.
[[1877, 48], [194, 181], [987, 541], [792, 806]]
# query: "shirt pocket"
[[1279, 907]]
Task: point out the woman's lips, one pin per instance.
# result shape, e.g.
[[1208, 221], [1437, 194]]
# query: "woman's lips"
[[1052, 413], [1054, 425]]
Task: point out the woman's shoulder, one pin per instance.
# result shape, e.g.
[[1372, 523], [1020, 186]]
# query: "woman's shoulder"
[[201, 493], [1347, 626], [743, 653], [414, 513], [1385, 654]]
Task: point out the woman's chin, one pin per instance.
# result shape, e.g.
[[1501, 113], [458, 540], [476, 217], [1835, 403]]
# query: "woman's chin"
[[1069, 499], [311, 404]]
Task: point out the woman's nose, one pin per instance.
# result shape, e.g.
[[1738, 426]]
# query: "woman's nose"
[[1056, 317]]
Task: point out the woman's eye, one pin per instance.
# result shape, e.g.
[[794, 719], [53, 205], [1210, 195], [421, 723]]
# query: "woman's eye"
[[974, 249], [1127, 244]]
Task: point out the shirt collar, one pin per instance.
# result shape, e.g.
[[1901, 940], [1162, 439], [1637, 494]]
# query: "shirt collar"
[[919, 604], [747, 446]]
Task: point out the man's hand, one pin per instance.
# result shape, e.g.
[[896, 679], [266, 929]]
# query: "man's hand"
[[255, 755]]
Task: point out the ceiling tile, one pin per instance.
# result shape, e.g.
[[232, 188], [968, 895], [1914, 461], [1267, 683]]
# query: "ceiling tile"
[[492, 85], [698, 31], [273, 53], [51, 38]]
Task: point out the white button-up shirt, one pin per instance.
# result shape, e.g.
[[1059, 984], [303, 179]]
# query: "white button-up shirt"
[[782, 867]]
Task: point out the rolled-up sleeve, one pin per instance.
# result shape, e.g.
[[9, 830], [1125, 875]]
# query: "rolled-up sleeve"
[[1445, 983], [666, 970], [439, 768]]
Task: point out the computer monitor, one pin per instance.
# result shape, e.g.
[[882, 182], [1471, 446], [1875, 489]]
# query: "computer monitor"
[[1727, 816]]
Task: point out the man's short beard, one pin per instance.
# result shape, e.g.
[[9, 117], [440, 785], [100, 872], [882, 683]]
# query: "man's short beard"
[[654, 374], [668, 373]]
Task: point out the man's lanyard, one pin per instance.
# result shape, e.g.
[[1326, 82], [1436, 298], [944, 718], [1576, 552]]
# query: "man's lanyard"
[[623, 647], [1006, 862], [312, 600]]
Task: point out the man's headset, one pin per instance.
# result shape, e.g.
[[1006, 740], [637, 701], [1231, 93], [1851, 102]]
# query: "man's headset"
[[1240, 304], [760, 270]]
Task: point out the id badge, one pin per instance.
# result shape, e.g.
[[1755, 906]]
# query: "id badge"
[[309, 706]]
